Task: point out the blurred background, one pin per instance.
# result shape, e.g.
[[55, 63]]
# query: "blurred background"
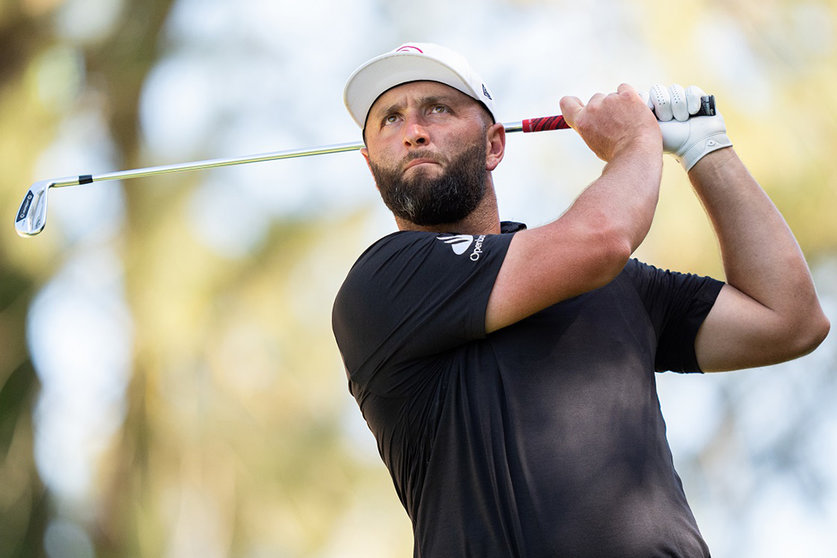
[[169, 384]]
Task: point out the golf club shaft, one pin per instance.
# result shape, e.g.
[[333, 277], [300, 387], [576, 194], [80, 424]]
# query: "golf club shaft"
[[540, 124], [31, 217], [215, 163]]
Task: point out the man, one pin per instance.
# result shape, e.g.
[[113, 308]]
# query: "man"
[[508, 373]]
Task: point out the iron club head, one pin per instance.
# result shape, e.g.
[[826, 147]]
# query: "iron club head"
[[31, 217]]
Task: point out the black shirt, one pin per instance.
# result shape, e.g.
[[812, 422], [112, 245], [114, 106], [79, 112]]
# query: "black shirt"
[[542, 439]]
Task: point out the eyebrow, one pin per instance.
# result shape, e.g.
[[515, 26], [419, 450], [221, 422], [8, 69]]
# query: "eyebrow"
[[422, 101]]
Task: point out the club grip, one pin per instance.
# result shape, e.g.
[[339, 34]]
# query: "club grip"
[[545, 123]]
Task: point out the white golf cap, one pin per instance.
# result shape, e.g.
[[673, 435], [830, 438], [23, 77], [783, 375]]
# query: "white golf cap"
[[412, 62]]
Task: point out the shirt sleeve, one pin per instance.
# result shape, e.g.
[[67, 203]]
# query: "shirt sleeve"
[[410, 296], [677, 305]]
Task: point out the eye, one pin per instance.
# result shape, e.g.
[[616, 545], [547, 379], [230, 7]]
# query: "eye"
[[390, 119], [439, 109]]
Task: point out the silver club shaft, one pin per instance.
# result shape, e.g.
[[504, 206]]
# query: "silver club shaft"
[[31, 217]]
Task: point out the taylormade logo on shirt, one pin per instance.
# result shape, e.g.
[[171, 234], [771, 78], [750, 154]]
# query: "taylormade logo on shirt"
[[460, 243]]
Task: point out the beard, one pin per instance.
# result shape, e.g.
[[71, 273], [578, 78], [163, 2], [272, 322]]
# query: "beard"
[[426, 201]]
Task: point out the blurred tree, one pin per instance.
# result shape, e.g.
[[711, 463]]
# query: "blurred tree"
[[23, 501], [24, 505], [232, 443], [238, 437]]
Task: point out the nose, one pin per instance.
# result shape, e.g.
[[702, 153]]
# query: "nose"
[[415, 133]]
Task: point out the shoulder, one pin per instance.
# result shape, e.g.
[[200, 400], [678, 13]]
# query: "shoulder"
[[409, 268], [413, 294], [418, 252]]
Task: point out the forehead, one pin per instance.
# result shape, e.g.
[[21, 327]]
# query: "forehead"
[[417, 91]]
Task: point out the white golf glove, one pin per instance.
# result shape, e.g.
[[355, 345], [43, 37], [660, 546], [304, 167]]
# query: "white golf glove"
[[687, 138]]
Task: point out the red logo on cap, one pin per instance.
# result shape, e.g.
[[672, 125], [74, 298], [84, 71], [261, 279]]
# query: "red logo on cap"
[[407, 48]]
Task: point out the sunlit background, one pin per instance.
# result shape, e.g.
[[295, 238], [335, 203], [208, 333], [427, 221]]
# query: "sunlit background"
[[169, 384]]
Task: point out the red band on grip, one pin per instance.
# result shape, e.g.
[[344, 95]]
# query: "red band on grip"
[[544, 123]]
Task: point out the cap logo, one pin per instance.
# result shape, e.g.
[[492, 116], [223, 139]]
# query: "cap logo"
[[408, 48], [485, 92]]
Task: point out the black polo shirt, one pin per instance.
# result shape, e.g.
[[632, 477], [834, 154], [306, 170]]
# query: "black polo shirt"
[[542, 439]]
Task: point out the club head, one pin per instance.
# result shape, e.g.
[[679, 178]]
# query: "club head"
[[31, 217]]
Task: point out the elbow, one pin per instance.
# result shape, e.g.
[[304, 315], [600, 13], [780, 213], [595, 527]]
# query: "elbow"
[[617, 239], [613, 250], [811, 324], [617, 258], [806, 332], [816, 332]]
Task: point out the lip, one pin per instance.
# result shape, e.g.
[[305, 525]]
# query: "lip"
[[417, 162]]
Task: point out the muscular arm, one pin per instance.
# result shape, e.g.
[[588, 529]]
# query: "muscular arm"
[[591, 243], [768, 312]]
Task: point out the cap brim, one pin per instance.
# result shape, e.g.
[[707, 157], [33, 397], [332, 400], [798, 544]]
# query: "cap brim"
[[381, 74]]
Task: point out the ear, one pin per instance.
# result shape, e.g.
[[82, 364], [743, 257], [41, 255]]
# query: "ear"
[[365, 152], [496, 142]]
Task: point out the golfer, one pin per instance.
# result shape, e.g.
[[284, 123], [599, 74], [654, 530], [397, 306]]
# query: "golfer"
[[508, 374]]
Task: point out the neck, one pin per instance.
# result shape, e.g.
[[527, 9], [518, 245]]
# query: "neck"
[[485, 219]]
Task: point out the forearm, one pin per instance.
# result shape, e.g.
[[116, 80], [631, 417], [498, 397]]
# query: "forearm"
[[772, 312], [624, 198], [621, 131], [760, 254]]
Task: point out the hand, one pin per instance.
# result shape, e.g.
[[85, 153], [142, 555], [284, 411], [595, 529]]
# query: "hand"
[[687, 138], [611, 123]]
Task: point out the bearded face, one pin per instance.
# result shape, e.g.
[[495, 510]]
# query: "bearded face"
[[427, 200]]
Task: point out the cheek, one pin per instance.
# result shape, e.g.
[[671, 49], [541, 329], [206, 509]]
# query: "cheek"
[[381, 166], [382, 155], [375, 161]]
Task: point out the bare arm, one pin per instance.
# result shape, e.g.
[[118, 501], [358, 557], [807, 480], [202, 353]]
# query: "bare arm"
[[768, 312], [590, 244]]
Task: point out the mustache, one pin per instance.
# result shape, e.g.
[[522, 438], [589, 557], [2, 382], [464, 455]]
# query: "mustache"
[[422, 154]]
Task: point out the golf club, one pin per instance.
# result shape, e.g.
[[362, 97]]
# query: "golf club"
[[31, 217]]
